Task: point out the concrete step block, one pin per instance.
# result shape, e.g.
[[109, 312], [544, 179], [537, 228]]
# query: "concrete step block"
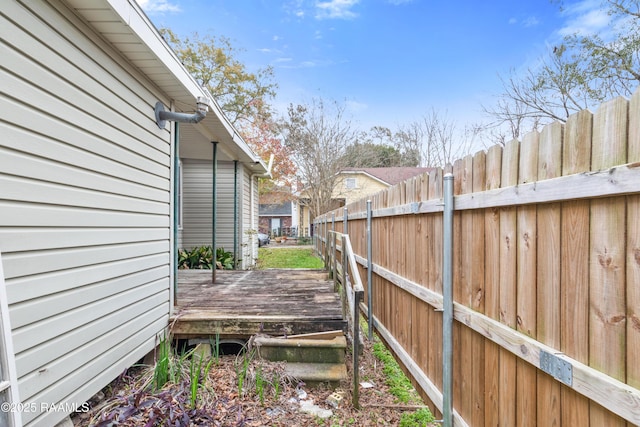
[[316, 374], [302, 350]]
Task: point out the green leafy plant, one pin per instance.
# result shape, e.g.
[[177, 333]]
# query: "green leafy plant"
[[162, 368], [196, 375], [215, 347], [202, 258], [224, 259], [260, 384]]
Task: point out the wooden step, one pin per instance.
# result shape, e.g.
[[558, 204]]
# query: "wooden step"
[[301, 350]]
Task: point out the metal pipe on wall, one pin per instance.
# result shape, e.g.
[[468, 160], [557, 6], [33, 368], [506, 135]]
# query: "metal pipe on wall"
[[447, 297], [176, 209]]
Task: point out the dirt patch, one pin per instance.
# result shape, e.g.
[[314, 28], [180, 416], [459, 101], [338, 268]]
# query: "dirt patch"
[[220, 403]]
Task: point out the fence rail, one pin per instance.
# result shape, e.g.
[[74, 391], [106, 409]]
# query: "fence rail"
[[347, 281], [546, 274]]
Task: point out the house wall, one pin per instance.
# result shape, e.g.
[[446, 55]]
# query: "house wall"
[[85, 207], [249, 244], [197, 206], [365, 186]]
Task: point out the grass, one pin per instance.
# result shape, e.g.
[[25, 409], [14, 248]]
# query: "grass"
[[399, 385], [288, 258]]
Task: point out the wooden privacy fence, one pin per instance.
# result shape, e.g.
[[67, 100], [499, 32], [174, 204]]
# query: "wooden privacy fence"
[[546, 275]]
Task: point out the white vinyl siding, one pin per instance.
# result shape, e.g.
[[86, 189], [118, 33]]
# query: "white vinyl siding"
[[249, 239], [197, 207], [197, 204], [85, 207]]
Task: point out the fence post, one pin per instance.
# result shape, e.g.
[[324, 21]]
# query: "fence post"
[[326, 244], [345, 222], [357, 297], [447, 297], [369, 272]]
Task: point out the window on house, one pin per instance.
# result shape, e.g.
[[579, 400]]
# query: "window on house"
[[351, 183]]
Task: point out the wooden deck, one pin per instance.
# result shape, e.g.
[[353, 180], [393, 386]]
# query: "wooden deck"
[[243, 303]]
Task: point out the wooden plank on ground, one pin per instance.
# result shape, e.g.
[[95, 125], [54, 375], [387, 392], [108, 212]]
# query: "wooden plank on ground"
[[574, 260], [607, 352]]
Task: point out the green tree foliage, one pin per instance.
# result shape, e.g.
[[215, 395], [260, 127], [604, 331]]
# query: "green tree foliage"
[[370, 155], [611, 61], [242, 95], [581, 72], [317, 135]]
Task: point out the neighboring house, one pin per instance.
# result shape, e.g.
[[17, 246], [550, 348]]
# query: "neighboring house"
[[278, 219], [88, 190], [356, 183]]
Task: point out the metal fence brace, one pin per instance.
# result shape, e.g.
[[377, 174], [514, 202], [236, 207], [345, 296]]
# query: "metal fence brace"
[[556, 367]]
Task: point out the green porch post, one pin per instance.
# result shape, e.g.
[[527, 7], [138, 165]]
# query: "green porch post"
[[213, 210]]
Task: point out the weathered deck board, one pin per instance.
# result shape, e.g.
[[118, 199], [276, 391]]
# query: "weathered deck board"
[[243, 303]]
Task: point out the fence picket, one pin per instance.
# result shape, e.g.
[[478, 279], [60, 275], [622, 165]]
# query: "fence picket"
[[548, 273], [508, 267], [607, 281], [633, 252], [492, 290]]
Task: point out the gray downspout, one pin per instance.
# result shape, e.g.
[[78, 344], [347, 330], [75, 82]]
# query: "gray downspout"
[[447, 303], [176, 210], [235, 214], [213, 210]]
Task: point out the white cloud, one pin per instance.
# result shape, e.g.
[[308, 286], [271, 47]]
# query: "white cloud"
[[585, 17], [159, 6], [336, 9], [531, 21]]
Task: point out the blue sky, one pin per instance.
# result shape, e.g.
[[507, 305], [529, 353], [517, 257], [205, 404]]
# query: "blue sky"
[[390, 61]]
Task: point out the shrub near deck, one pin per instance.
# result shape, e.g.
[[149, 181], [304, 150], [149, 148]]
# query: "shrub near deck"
[[288, 258]]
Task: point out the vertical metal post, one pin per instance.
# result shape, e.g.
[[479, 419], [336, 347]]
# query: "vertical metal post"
[[177, 182], [356, 349], [326, 245], [235, 214], [214, 196], [369, 271], [447, 296]]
